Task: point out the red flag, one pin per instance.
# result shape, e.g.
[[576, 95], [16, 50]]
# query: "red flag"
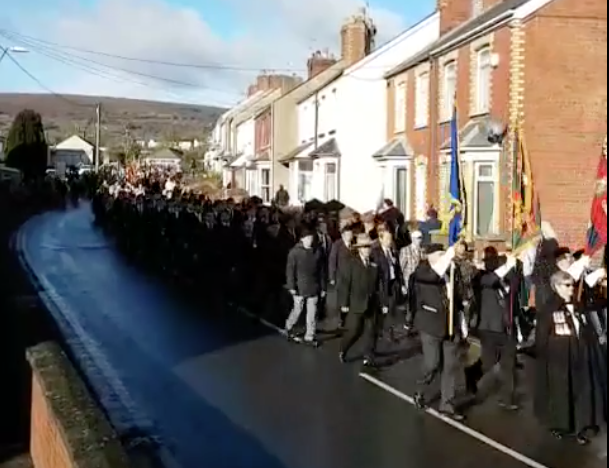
[[597, 233]]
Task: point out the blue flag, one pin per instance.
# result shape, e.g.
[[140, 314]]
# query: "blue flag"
[[457, 195]]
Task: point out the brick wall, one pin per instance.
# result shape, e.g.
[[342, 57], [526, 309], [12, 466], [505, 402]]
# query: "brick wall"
[[67, 428], [565, 108]]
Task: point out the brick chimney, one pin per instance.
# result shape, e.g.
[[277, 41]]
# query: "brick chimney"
[[453, 13], [357, 37], [266, 82], [318, 62]]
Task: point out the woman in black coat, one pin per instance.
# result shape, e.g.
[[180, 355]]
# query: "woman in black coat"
[[572, 394]]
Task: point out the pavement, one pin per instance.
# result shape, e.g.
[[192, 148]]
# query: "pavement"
[[218, 389]]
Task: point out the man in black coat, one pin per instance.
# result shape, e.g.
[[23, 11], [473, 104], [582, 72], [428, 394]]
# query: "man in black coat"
[[360, 299], [441, 343], [306, 281], [499, 306], [341, 255]]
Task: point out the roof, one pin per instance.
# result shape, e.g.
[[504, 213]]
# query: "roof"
[[493, 14], [257, 106], [296, 152], [74, 138], [311, 86], [399, 147], [165, 153], [329, 148], [473, 135]]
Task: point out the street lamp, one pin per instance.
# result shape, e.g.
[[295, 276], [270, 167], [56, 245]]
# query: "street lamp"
[[12, 50]]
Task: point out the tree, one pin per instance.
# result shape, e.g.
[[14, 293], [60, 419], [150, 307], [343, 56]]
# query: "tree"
[[26, 146]]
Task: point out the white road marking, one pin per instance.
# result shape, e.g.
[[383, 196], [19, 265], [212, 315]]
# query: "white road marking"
[[456, 425]]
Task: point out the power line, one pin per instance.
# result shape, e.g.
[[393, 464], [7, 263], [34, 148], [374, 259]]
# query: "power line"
[[107, 71], [104, 70], [42, 85], [208, 66]]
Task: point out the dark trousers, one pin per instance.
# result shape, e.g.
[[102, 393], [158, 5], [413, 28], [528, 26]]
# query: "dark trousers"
[[361, 326], [499, 352], [442, 359]]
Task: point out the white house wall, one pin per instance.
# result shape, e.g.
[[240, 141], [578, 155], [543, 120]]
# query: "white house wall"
[[362, 114], [245, 137]]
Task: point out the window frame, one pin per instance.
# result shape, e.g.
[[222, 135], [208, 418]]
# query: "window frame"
[[483, 80], [399, 107], [495, 179], [449, 98], [327, 176], [422, 97], [265, 187]]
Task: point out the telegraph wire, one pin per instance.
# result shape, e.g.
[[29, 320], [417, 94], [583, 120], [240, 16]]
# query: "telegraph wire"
[[88, 65], [105, 71], [43, 86]]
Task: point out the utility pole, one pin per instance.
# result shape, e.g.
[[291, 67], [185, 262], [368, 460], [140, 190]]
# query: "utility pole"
[[97, 135]]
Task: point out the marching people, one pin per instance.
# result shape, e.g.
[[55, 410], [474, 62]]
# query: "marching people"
[[360, 299], [340, 256], [573, 402], [306, 281], [441, 340], [498, 311]]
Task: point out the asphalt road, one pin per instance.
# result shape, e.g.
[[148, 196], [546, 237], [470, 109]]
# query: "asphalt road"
[[221, 391]]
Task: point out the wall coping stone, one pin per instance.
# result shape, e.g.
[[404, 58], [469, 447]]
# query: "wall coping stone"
[[85, 429]]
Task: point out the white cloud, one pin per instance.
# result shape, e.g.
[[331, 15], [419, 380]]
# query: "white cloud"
[[270, 34]]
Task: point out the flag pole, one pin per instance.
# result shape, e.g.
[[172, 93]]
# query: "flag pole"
[[451, 286]]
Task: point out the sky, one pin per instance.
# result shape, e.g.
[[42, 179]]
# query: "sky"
[[226, 43]]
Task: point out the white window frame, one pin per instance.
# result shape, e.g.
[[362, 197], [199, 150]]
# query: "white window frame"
[[422, 99], [484, 77], [310, 182], [495, 179], [399, 108], [329, 197], [263, 186], [450, 73], [396, 199]]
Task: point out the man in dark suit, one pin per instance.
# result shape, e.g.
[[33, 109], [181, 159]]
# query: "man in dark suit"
[[385, 255], [360, 300], [341, 255], [499, 286], [442, 357]]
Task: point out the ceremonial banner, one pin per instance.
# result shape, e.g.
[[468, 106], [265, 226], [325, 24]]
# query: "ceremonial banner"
[[525, 199], [458, 202], [597, 232]]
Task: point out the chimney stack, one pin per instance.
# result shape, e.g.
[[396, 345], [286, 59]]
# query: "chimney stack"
[[319, 62], [265, 82], [357, 37]]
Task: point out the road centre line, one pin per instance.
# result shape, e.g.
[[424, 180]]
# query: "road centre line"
[[456, 425]]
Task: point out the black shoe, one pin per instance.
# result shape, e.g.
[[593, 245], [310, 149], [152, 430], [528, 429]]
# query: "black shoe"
[[342, 356], [419, 401], [513, 407], [558, 435], [292, 337], [312, 343], [453, 414], [582, 440], [369, 362]]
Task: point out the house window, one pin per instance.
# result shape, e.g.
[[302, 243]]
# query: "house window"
[[449, 90], [486, 187], [305, 180], [422, 100], [484, 76], [400, 108], [331, 181], [401, 189], [251, 182], [265, 185]]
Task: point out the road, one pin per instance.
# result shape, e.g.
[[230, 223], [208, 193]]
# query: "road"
[[222, 391]]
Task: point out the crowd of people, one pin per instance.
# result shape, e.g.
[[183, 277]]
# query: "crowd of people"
[[371, 277]]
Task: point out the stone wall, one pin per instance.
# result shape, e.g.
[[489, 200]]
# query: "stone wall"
[[68, 430]]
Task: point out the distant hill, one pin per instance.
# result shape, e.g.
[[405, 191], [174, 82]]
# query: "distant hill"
[[143, 120]]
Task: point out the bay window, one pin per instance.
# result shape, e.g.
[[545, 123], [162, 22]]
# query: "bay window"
[[486, 198], [305, 180], [265, 185], [331, 181]]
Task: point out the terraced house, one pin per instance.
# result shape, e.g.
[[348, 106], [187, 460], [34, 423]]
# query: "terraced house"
[[537, 64]]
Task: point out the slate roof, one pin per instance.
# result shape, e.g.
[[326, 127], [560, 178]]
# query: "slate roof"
[[296, 152], [397, 148], [473, 135], [327, 149], [494, 13]]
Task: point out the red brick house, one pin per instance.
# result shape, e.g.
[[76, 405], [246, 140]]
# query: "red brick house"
[[507, 65], [263, 128]]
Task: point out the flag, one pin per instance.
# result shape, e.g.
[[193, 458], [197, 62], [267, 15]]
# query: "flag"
[[597, 232], [525, 199], [458, 205]]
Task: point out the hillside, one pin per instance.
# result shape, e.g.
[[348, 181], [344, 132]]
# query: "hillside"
[[143, 120]]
